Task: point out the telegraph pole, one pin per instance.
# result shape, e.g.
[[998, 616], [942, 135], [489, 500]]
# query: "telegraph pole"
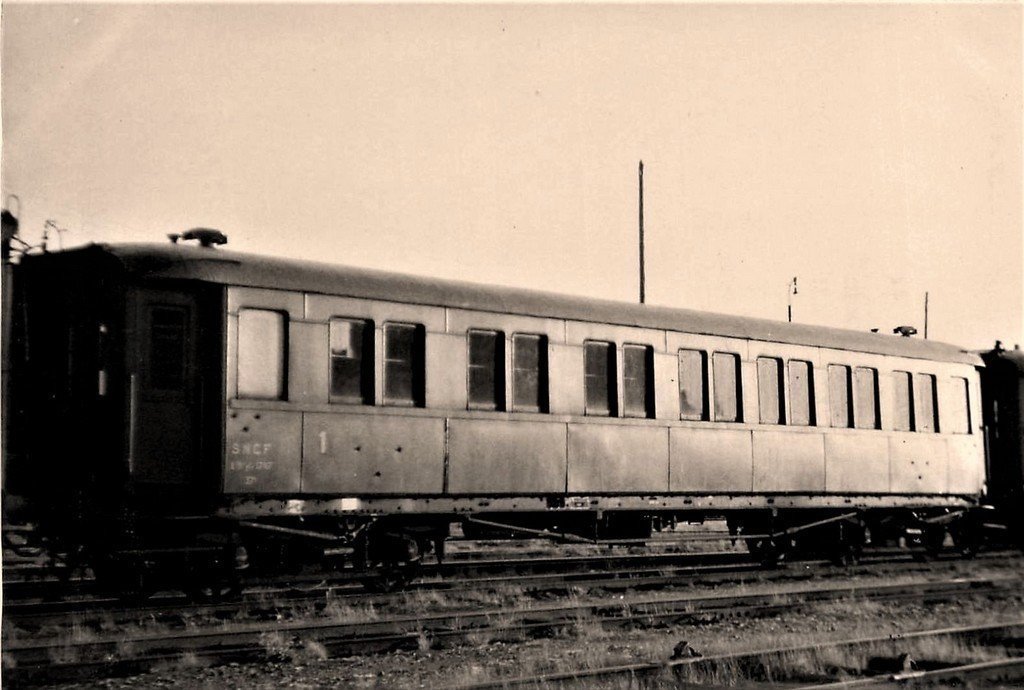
[[641, 175], [790, 291]]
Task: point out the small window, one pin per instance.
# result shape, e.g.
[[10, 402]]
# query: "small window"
[[404, 364], [262, 353], [638, 381], [728, 389], [801, 393], [840, 395], [486, 375], [902, 405], [168, 330], [529, 373], [865, 398], [959, 417], [693, 384], [771, 395], [925, 405], [600, 374], [351, 342]]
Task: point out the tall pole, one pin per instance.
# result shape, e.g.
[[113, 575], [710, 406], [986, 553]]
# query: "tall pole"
[[642, 279], [790, 291], [926, 315]]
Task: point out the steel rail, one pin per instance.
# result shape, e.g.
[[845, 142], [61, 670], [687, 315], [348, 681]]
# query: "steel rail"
[[35, 659], [644, 668], [984, 669], [36, 614]]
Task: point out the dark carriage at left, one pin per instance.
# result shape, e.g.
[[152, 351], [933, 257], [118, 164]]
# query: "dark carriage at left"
[[115, 421]]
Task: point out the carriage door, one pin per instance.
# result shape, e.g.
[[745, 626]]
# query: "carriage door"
[[164, 395]]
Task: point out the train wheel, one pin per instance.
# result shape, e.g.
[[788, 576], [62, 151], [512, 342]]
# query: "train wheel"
[[214, 586], [850, 539], [769, 551], [390, 577], [932, 538], [392, 561], [967, 536]]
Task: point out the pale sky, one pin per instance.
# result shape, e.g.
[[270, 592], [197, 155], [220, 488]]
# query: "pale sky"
[[872, 151]]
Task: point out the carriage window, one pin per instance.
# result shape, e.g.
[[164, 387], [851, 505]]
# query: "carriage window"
[[529, 373], [728, 390], [167, 363], [902, 407], [638, 380], [262, 353], [959, 417], [404, 364], [865, 398], [486, 370], [693, 384], [351, 342], [925, 408], [801, 393], [770, 393], [840, 395], [600, 374]]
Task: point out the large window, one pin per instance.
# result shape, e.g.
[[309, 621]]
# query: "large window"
[[865, 398], [404, 364], [728, 389], [693, 384], [958, 417], [925, 404], [599, 379], [840, 395], [529, 373], [638, 380], [262, 354], [770, 390], [801, 393], [351, 342]]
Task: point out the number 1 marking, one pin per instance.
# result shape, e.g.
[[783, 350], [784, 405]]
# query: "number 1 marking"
[[323, 442]]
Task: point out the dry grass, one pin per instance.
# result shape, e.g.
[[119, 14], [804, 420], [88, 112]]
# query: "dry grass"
[[837, 663], [187, 661]]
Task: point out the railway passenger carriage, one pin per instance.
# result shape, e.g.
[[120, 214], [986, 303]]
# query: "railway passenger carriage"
[[239, 401]]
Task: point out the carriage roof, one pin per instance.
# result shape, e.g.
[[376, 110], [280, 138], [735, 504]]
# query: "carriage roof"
[[175, 261]]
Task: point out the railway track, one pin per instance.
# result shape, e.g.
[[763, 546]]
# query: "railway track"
[[558, 575], [886, 662], [58, 660]]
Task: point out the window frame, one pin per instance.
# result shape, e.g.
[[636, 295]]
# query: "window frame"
[[611, 389], [812, 412], [367, 378], [911, 416], [285, 321], [922, 426], [705, 412], [417, 364], [543, 393], [737, 369], [155, 362], [647, 353], [876, 421], [847, 371], [963, 396], [779, 408], [496, 401]]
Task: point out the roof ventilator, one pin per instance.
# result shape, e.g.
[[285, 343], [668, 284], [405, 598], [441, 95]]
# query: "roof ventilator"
[[207, 237]]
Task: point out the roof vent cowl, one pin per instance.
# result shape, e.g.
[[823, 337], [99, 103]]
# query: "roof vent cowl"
[[207, 237]]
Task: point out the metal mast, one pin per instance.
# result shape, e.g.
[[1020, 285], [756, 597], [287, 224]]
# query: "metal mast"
[[642, 279]]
